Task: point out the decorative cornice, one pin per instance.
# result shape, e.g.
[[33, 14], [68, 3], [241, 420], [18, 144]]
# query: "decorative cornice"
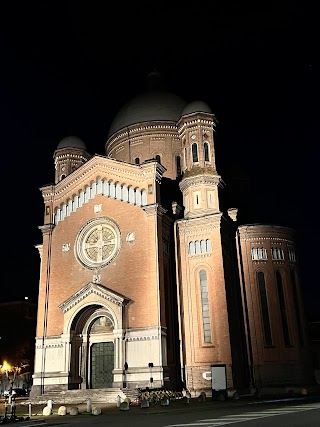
[[138, 128], [46, 228], [40, 249], [259, 239], [197, 227], [200, 178], [153, 209], [143, 338], [191, 120]]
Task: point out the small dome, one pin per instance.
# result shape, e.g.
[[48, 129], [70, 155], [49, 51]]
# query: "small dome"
[[71, 142], [196, 107]]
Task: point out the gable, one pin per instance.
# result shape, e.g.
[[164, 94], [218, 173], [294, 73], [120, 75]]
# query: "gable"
[[97, 289]]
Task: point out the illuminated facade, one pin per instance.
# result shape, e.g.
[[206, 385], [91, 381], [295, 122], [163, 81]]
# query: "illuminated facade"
[[147, 279]]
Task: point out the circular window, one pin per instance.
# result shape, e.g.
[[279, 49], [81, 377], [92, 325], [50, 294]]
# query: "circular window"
[[98, 243]]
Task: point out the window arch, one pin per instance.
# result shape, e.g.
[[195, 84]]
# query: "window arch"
[[178, 165], [194, 149], [296, 306], [205, 307], [283, 310], [264, 308], [137, 161], [206, 151], [192, 248], [158, 158]]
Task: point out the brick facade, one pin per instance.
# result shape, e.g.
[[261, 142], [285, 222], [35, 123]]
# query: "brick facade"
[[144, 276]]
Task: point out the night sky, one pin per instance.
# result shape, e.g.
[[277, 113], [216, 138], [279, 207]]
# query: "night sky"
[[67, 67]]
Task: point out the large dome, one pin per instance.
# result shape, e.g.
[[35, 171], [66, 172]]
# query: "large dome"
[[71, 142], [154, 104]]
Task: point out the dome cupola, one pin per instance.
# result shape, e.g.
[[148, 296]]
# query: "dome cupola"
[[70, 155]]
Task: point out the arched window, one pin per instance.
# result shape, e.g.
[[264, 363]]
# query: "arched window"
[[158, 158], [205, 307], [283, 311], [296, 306], [125, 195], [137, 161], [192, 249], [264, 309], [143, 197], [112, 188], [194, 149], [137, 196], [206, 151], [131, 198], [118, 191], [178, 165]]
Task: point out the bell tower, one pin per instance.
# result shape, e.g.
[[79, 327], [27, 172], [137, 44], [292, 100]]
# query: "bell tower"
[[70, 155], [201, 244], [200, 181]]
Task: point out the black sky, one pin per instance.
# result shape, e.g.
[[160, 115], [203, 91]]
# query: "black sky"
[[66, 68]]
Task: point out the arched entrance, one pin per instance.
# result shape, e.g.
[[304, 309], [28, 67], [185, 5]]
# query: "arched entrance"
[[92, 348]]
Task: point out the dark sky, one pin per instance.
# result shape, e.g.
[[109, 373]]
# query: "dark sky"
[[66, 68]]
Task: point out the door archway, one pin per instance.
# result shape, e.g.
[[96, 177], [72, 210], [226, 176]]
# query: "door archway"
[[92, 348]]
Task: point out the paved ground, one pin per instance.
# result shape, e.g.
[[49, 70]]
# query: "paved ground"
[[24, 410]]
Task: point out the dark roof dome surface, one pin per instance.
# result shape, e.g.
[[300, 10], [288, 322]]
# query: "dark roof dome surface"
[[71, 142], [196, 107], [152, 105]]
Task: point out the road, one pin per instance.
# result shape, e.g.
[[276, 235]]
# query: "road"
[[288, 413]]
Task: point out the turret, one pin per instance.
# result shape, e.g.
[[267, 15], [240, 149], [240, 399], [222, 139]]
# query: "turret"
[[200, 181], [70, 155]]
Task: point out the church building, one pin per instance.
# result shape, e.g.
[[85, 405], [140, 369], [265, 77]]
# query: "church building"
[[147, 279]]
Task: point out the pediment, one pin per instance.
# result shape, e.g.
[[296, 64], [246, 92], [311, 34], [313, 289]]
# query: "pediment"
[[94, 288]]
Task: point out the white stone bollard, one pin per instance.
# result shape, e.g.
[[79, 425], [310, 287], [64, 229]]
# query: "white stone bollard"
[[49, 404], [118, 401], [89, 405], [62, 410], [46, 411], [96, 410]]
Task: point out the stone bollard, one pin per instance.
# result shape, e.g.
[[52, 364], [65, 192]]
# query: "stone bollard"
[[62, 410], [96, 410], [89, 405], [202, 397], [118, 401], [46, 411], [49, 404], [74, 410], [164, 401], [124, 406], [145, 403]]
